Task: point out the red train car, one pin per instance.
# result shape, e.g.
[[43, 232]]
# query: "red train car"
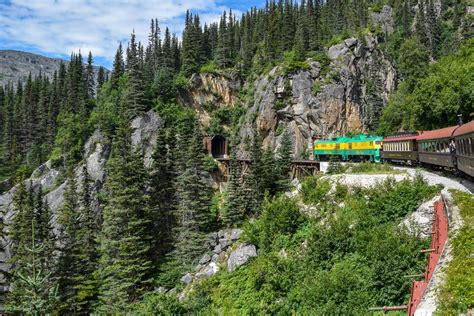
[[436, 147], [464, 138]]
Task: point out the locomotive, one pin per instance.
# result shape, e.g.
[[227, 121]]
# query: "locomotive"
[[450, 148]]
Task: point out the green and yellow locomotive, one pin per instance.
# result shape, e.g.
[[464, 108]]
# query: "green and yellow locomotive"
[[357, 148]]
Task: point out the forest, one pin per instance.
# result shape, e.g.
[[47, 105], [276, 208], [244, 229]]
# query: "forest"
[[153, 222]]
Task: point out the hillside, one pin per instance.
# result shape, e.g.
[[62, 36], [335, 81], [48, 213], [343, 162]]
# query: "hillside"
[[17, 65], [107, 187]]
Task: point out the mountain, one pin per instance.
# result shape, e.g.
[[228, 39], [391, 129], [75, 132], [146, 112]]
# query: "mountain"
[[17, 65]]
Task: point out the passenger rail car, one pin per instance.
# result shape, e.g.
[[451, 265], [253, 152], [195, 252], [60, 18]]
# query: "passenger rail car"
[[464, 140], [400, 148], [436, 148]]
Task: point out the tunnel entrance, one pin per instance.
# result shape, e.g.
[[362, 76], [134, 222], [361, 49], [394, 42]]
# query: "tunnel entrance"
[[216, 146], [219, 146]]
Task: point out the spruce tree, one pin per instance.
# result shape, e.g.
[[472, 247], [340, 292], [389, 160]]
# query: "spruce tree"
[[118, 68], [162, 195], [100, 77], [234, 212], [254, 191], [283, 162], [36, 294], [192, 211], [68, 269], [124, 240], [87, 257], [90, 77], [135, 100]]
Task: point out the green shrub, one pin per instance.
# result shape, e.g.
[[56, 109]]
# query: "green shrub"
[[210, 67], [314, 190], [280, 219], [159, 304], [316, 88]]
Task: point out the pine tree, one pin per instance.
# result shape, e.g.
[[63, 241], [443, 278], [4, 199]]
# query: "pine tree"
[[234, 213], [100, 77], [68, 269], [90, 77], [37, 295], [118, 68], [283, 162], [135, 100], [124, 240], [192, 212], [87, 257]]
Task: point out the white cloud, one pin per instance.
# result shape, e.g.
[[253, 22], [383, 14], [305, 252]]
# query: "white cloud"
[[63, 26]]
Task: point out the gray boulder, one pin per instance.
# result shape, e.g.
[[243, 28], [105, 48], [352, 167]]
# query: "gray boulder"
[[205, 259], [235, 234], [187, 278], [241, 256], [224, 243], [208, 271]]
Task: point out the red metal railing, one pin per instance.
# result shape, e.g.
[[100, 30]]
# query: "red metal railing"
[[438, 240]]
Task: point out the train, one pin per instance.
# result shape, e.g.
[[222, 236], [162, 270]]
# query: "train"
[[450, 148]]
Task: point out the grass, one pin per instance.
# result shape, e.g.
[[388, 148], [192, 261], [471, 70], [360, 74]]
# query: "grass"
[[457, 294]]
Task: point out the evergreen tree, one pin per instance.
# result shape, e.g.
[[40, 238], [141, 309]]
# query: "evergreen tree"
[[87, 234], [135, 99], [68, 269], [234, 213], [162, 195], [90, 77], [32, 256], [101, 77], [124, 240], [284, 161], [118, 68], [192, 212], [37, 295], [254, 190]]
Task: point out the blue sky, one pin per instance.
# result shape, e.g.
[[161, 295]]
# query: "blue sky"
[[56, 28]]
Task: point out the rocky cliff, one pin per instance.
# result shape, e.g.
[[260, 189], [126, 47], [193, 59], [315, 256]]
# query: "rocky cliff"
[[321, 100]]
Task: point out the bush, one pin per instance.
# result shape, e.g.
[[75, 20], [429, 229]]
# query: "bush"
[[314, 190], [159, 304], [280, 219]]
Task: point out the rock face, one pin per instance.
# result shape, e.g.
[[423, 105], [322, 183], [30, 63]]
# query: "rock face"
[[207, 91], [349, 94], [420, 222], [319, 101], [16, 65]]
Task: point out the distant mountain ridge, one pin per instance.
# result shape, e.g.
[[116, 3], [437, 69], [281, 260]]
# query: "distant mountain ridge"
[[17, 65]]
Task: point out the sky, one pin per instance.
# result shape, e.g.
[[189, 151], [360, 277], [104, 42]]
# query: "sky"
[[56, 28]]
